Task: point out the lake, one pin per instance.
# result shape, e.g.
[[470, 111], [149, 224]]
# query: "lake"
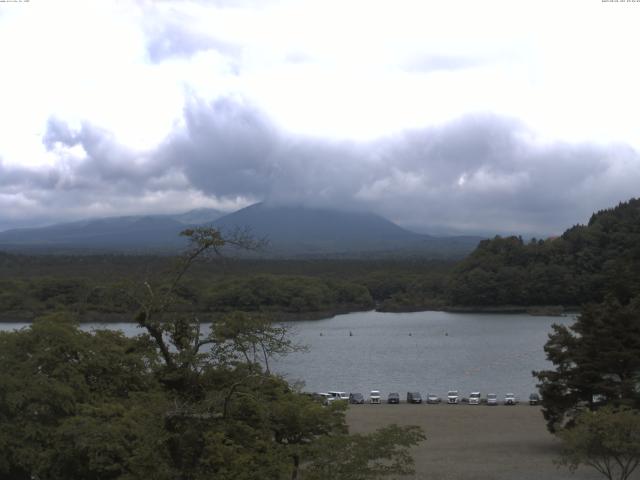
[[429, 352]]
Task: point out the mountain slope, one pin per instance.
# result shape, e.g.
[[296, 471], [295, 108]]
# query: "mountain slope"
[[296, 230], [149, 232]]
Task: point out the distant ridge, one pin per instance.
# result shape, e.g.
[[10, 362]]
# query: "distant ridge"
[[291, 231], [138, 233]]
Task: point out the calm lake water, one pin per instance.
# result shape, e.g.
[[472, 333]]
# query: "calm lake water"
[[429, 352]]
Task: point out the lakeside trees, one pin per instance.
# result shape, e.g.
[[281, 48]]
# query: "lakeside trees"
[[171, 403], [591, 400], [91, 286], [581, 266], [596, 360]]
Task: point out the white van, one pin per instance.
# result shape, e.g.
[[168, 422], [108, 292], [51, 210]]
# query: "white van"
[[340, 396]]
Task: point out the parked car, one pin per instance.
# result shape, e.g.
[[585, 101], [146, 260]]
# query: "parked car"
[[510, 399], [325, 398], [474, 398], [534, 399], [433, 398], [414, 397], [393, 398], [356, 398], [339, 395], [452, 397], [492, 399], [374, 397]]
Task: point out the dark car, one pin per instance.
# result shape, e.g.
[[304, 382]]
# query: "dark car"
[[414, 397], [534, 399], [393, 398], [356, 398]]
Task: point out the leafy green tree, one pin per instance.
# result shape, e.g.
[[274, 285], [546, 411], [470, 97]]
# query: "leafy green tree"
[[364, 457], [251, 338], [228, 388], [607, 440], [72, 403], [172, 403], [597, 359]]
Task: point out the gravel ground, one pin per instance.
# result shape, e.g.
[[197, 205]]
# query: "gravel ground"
[[474, 442]]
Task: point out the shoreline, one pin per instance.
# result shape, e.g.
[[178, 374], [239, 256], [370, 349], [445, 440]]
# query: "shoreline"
[[100, 317]]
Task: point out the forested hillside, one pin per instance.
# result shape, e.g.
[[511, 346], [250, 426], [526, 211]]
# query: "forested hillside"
[[580, 266]]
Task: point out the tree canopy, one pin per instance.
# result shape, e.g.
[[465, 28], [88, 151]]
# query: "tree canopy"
[[596, 360], [607, 440], [583, 265], [173, 402]]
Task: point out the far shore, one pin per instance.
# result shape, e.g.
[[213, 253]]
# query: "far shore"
[[474, 442], [102, 317]]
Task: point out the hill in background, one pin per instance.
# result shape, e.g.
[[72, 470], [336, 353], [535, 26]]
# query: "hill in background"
[[143, 233], [291, 231]]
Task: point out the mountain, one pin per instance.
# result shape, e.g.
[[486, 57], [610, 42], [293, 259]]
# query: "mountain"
[[305, 231], [198, 216], [144, 233], [290, 231]]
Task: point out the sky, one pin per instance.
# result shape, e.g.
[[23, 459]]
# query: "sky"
[[465, 117]]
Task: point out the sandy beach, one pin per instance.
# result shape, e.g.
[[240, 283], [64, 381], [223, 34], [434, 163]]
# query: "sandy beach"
[[474, 442]]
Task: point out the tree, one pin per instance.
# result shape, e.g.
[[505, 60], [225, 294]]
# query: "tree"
[[172, 403], [597, 359], [607, 440], [365, 457], [74, 404]]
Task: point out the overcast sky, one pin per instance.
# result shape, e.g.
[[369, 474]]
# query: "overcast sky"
[[446, 117]]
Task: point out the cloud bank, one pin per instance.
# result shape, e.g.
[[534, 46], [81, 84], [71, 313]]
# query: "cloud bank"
[[477, 174]]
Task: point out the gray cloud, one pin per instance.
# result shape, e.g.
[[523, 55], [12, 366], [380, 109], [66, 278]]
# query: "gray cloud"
[[432, 63], [479, 174], [486, 174], [173, 36]]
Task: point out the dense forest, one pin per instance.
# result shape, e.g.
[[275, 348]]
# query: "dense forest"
[[92, 286], [582, 265]]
